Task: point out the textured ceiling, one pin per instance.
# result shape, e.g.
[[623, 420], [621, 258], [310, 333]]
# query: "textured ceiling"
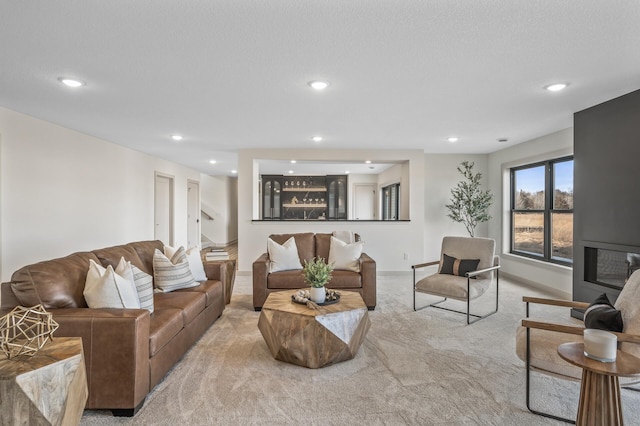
[[233, 74]]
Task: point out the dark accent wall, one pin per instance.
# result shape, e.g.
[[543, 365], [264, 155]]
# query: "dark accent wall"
[[606, 187]]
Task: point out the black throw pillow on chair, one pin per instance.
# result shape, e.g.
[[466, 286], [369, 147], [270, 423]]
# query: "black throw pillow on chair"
[[453, 266], [602, 315]]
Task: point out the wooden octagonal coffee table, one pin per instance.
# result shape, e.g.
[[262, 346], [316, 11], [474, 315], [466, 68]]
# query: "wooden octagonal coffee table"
[[313, 338]]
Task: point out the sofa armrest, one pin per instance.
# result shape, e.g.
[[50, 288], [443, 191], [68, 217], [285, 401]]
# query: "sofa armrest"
[[223, 271], [116, 350], [368, 276], [260, 271]]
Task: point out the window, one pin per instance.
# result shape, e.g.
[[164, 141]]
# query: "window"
[[390, 202], [542, 210]]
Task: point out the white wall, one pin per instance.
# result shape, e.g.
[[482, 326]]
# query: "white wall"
[[219, 196], [386, 242], [543, 274], [63, 191], [441, 175]]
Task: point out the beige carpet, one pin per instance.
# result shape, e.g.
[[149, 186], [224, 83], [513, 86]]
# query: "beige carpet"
[[414, 368]]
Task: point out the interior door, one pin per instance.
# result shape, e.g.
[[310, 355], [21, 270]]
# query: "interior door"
[[364, 202], [193, 214], [163, 213]]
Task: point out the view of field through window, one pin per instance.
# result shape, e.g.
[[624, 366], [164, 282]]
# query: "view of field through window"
[[530, 207]]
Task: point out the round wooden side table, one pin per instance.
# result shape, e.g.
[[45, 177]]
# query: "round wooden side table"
[[600, 388]]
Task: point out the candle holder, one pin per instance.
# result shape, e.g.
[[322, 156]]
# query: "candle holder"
[[600, 345]]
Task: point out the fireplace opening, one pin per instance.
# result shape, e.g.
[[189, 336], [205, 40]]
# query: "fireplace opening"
[[610, 268]]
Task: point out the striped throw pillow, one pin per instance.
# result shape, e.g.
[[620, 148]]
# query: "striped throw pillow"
[[144, 285], [142, 282], [173, 273]]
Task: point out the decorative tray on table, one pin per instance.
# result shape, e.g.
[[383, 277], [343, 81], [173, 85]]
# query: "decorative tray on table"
[[302, 297]]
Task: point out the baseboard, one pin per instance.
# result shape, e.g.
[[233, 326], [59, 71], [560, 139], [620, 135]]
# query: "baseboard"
[[394, 273], [537, 286]]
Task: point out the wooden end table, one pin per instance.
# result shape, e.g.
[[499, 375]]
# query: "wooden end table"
[[600, 388], [313, 338], [48, 388]]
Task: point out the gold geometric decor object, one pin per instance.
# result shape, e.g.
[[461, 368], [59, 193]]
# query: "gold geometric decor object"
[[24, 331]]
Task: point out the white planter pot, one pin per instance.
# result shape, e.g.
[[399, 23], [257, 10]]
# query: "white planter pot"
[[317, 294]]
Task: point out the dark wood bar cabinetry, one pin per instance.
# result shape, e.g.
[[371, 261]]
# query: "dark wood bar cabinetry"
[[304, 197]]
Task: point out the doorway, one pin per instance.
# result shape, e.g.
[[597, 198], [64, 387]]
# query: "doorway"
[[364, 202], [193, 213], [163, 212]]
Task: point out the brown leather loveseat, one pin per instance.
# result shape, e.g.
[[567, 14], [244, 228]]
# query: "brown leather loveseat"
[[127, 351], [312, 245]]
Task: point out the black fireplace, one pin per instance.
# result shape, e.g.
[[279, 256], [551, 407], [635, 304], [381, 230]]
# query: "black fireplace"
[[606, 235]]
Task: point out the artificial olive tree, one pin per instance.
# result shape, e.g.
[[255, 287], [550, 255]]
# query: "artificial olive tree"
[[469, 202]]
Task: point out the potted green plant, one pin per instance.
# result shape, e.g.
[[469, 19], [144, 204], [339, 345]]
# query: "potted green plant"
[[469, 202], [317, 274]]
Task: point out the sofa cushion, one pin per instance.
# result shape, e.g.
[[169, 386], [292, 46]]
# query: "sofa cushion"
[[195, 261], [172, 274], [112, 255], [602, 315], [56, 283], [106, 289], [323, 244], [345, 256], [305, 242], [212, 289], [145, 250], [142, 281], [144, 286], [345, 279], [285, 280], [165, 324], [190, 302], [283, 257], [452, 266]]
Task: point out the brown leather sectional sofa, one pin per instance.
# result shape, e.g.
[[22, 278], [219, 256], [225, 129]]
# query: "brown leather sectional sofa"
[[312, 245], [127, 351]]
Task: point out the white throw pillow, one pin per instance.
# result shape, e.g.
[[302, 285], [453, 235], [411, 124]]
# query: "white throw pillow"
[[195, 261], [195, 264], [170, 251], [104, 288], [173, 273], [283, 257], [345, 236], [142, 281], [345, 256]]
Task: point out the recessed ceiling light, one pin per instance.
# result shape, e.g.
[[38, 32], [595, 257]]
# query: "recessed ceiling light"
[[213, 161], [556, 87], [176, 137], [234, 171], [290, 172], [317, 138], [368, 162], [346, 172], [293, 161], [318, 85], [70, 82], [452, 139]]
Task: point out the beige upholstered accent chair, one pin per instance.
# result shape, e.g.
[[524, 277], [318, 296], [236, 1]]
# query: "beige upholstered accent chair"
[[465, 284], [537, 341]]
